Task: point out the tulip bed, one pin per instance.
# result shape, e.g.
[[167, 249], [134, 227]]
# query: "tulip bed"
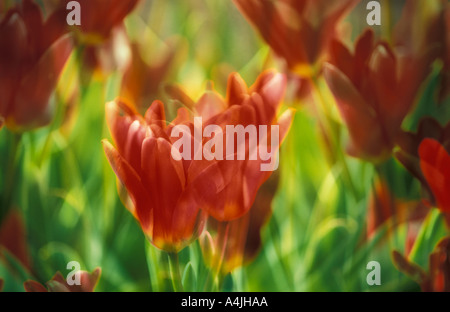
[[359, 201]]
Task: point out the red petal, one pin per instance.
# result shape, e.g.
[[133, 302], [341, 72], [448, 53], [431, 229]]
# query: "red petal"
[[435, 164], [133, 184], [156, 115], [33, 286], [14, 238], [236, 89], [164, 179], [364, 129]]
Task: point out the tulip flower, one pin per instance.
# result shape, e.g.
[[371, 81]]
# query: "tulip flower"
[[435, 165], [423, 27], [256, 105], [88, 282], [160, 189], [437, 279], [167, 202], [409, 143], [229, 245], [299, 31], [13, 237], [375, 89], [33, 53], [141, 81], [101, 33]]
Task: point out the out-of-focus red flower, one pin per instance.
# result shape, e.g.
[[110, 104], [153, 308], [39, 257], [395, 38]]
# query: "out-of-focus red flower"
[[142, 81], [299, 31], [13, 237], [256, 105], [437, 279], [1, 284], [425, 26], [435, 165], [33, 53], [98, 17], [101, 33], [160, 188], [375, 89], [166, 195], [384, 207], [88, 282], [409, 143], [230, 245]]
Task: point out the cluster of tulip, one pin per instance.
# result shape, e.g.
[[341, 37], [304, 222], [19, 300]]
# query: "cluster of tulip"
[[371, 94]]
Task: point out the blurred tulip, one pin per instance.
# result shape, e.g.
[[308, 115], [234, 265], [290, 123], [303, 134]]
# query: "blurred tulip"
[[437, 279], [160, 188], [409, 143], [435, 165], [1, 284], [32, 56], [88, 282], [257, 105], [101, 34], [375, 89], [423, 27], [230, 245], [13, 237], [142, 81], [299, 31]]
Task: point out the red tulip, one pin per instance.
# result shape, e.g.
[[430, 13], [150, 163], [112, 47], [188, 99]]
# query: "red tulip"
[[161, 189], [299, 31], [141, 81], [425, 26], [435, 165], [245, 106], [101, 33], [437, 279], [409, 143], [32, 56], [13, 237], [375, 89], [88, 282]]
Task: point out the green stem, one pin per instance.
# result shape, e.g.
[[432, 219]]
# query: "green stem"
[[175, 271], [10, 175]]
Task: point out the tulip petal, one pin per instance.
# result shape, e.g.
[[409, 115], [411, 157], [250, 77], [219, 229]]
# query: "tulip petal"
[[236, 89], [435, 164], [164, 178], [209, 105], [13, 237], [357, 115], [156, 115], [33, 286], [128, 176]]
